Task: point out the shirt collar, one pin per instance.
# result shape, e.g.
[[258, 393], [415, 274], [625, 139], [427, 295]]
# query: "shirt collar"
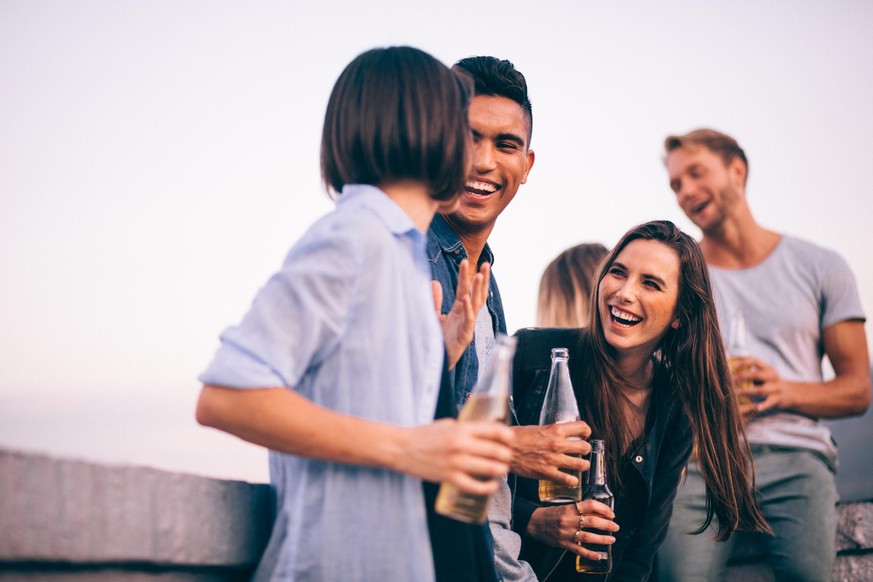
[[448, 241], [372, 199]]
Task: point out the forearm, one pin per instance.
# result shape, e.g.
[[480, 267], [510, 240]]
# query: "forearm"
[[845, 344], [283, 420], [846, 395], [469, 454]]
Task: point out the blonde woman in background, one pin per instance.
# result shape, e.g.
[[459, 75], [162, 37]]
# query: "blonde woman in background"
[[565, 287]]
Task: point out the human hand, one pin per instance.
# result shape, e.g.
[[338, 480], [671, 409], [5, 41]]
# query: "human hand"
[[541, 451], [459, 324], [566, 526], [765, 389], [469, 455]]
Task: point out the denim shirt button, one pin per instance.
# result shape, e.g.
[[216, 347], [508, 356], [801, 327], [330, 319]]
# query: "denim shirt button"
[[638, 458]]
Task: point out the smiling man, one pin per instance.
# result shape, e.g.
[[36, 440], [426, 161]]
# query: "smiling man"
[[501, 124], [502, 160], [800, 302]]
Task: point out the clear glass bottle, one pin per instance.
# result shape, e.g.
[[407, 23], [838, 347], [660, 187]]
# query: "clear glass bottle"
[[738, 348], [559, 405], [489, 400], [597, 488]]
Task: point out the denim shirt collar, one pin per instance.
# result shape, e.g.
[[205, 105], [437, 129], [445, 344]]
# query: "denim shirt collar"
[[446, 240], [445, 251]]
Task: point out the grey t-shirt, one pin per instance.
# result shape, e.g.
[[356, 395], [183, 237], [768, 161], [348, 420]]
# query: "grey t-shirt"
[[787, 301], [507, 543], [484, 339]]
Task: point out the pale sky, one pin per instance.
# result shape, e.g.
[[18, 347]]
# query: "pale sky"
[[159, 158]]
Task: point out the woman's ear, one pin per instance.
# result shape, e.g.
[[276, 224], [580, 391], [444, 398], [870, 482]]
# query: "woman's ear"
[[675, 324]]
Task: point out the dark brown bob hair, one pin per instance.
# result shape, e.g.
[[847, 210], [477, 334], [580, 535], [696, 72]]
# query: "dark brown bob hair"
[[395, 114]]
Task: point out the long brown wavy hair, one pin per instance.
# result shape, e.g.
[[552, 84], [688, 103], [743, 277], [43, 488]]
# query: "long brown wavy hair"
[[691, 367]]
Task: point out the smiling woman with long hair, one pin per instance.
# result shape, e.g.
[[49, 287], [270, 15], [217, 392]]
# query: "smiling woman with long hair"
[[651, 379]]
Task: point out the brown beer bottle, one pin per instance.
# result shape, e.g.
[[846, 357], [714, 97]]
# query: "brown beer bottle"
[[596, 488], [489, 400], [559, 405]]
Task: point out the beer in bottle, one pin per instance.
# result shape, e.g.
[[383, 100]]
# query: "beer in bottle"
[[489, 400], [596, 488], [560, 406], [738, 348]]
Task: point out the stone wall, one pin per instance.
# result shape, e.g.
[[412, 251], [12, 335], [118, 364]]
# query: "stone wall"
[[72, 520]]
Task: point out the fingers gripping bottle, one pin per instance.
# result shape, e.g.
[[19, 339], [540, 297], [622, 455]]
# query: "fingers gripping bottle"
[[560, 406], [597, 488], [489, 400]]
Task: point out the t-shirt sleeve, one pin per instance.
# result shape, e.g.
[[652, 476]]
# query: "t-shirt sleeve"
[[840, 298], [295, 320]]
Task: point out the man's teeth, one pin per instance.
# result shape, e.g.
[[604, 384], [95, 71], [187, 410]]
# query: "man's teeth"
[[623, 317], [480, 187]]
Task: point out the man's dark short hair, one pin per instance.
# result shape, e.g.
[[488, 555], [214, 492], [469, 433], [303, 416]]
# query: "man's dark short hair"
[[717, 142], [500, 78], [396, 114]]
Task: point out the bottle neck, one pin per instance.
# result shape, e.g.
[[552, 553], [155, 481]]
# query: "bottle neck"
[[560, 400], [494, 380], [559, 368], [598, 469]]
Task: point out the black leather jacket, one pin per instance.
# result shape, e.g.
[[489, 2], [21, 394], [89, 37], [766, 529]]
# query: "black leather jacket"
[[650, 473]]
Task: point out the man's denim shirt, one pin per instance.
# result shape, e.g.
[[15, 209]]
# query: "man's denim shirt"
[[445, 252]]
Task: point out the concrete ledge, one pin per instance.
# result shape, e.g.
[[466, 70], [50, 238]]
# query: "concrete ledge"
[[83, 519], [75, 521]]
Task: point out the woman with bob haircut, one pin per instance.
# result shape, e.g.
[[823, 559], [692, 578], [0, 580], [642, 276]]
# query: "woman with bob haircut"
[[652, 380], [336, 367]]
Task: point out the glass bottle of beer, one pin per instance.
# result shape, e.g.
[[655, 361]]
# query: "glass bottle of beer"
[[560, 405], [596, 488], [489, 400], [738, 348]]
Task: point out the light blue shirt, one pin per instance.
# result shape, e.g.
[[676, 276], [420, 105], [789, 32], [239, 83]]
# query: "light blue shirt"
[[348, 323]]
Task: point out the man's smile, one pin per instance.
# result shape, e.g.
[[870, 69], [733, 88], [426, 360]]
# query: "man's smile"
[[480, 188], [697, 208]]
